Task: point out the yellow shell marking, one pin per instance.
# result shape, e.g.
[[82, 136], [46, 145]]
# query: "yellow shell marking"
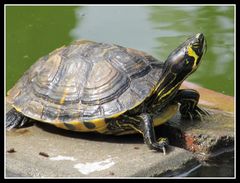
[[100, 124], [17, 108], [59, 125], [63, 97], [79, 126]]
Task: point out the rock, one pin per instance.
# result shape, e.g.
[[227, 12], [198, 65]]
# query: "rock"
[[72, 154], [210, 137]]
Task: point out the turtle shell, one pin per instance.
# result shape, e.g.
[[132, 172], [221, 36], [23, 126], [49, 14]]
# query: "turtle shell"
[[85, 81]]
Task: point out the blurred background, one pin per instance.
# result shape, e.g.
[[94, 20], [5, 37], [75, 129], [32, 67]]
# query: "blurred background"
[[34, 31]]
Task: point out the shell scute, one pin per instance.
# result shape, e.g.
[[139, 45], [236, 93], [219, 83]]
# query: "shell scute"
[[85, 81]]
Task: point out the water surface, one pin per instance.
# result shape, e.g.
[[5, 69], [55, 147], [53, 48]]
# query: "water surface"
[[34, 31]]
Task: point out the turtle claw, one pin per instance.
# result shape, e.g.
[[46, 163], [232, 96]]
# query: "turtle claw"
[[196, 114], [203, 111], [164, 150], [190, 116], [200, 113], [163, 143]]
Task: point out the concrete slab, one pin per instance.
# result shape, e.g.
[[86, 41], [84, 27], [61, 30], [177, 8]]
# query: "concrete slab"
[[72, 154]]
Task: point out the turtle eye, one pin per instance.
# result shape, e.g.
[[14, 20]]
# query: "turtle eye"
[[189, 60]]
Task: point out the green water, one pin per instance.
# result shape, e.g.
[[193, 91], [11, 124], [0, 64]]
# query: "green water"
[[34, 31]]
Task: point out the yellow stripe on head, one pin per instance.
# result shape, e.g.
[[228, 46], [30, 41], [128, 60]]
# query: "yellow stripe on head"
[[192, 53]]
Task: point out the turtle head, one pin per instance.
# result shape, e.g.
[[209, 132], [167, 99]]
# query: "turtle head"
[[186, 58], [183, 61]]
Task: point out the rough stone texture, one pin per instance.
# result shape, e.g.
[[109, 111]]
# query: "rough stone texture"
[[206, 138], [126, 156]]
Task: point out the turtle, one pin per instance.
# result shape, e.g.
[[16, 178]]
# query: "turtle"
[[89, 86]]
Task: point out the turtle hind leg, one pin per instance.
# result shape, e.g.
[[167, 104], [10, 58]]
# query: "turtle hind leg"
[[15, 119]]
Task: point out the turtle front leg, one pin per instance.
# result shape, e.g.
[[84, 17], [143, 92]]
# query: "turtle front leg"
[[15, 119], [189, 99], [147, 128], [144, 124]]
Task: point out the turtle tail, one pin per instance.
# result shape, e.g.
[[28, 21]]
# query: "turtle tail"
[[15, 119]]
